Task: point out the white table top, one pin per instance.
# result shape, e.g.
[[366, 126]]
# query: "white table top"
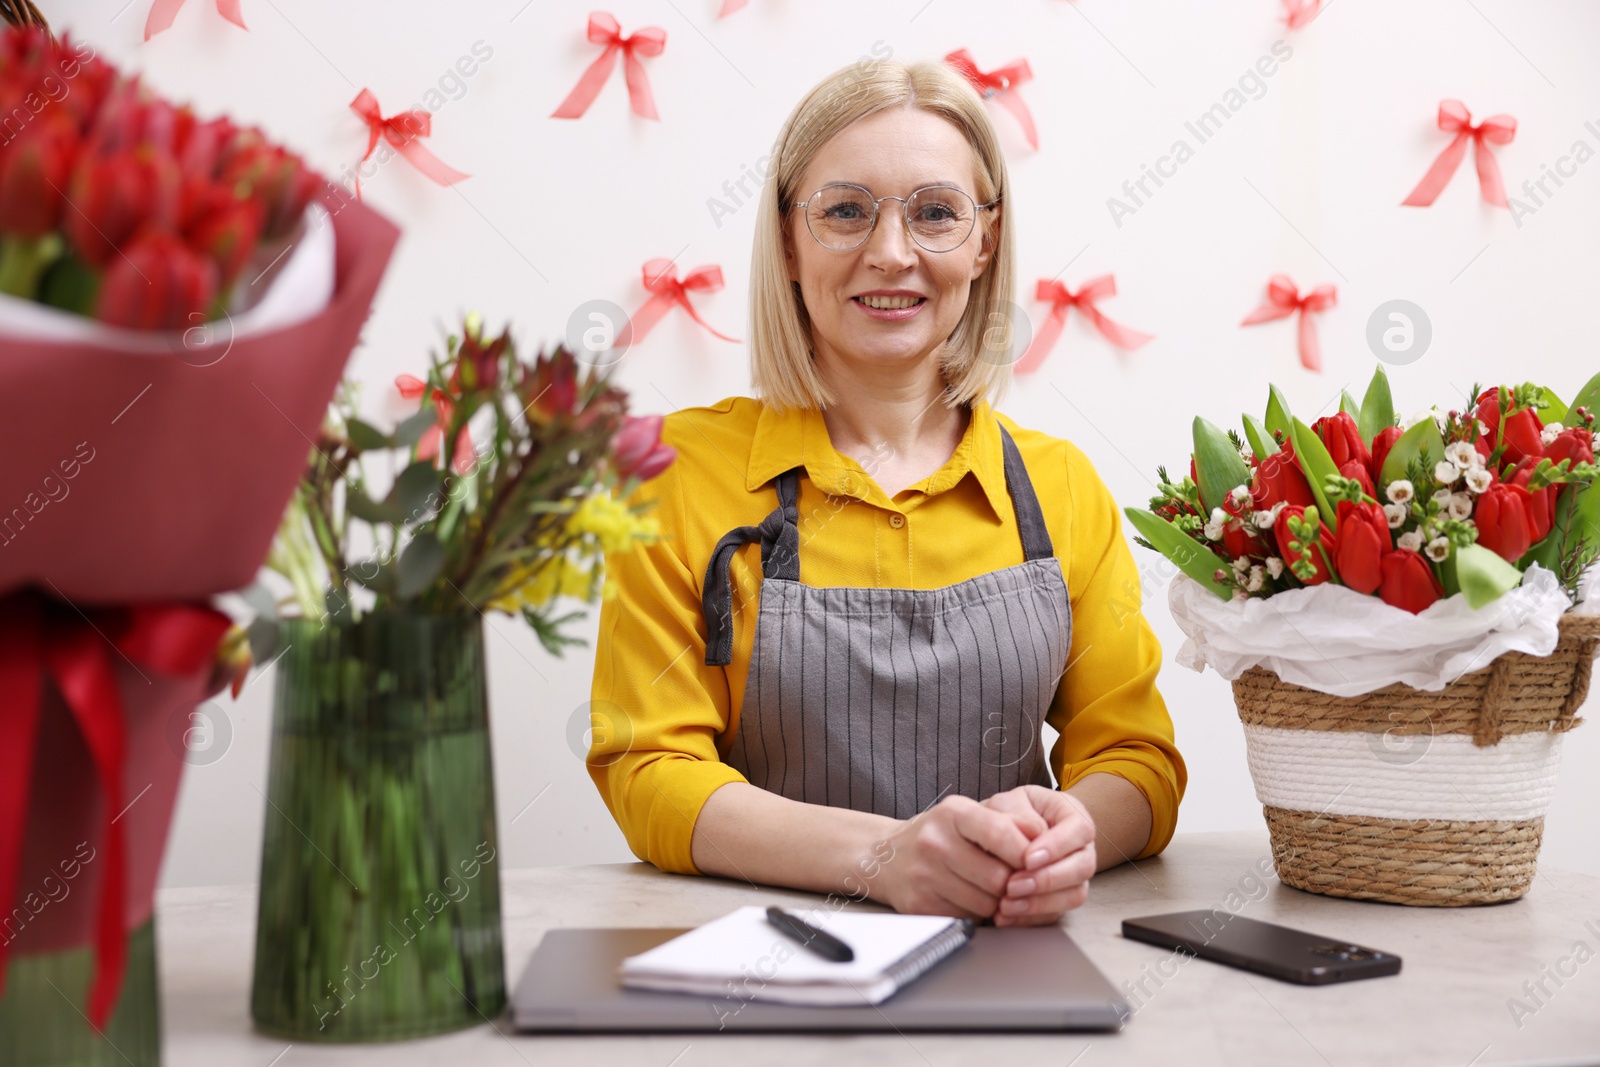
[[1451, 1005]]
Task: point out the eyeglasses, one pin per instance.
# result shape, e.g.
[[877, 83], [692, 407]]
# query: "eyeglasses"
[[939, 217]]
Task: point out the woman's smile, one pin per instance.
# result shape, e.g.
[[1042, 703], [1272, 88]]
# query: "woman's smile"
[[890, 305]]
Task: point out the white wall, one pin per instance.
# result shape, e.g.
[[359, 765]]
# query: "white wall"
[[1307, 179]]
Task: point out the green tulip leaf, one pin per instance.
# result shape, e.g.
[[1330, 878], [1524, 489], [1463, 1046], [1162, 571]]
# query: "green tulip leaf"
[[1218, 464], [1349, 406], [1422, 438], [1483, 575], [1547, 553], [1261, 442], [1588, 396], [1377, 407], [1190, 556], [1318, 467], [1277, 411], [1550, 408]]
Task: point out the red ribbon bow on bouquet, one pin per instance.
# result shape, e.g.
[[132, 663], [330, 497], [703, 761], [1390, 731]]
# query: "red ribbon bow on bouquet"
[[1283, 300], [39, 635], [1000, 84], [164, 11], [1297, 13], [1455, 118], [1062, 300], [402, 130], [668, 290], [604, 29]]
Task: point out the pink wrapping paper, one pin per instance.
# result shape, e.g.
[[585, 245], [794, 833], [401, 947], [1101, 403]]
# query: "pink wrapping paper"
[[67, 814], [188, 467]]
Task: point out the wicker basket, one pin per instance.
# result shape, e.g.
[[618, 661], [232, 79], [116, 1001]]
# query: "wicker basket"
[[1414, 797]]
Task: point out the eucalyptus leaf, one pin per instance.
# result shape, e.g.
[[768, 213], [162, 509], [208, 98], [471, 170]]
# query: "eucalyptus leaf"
[[366, 509], [410, 431], [1483, 575], [366, 436], [419, 565], [1377, 407], [1261, 442], [1277, 411], [1318, 466], [1218, 464], [1190, 556], [413, 488], [367, 573], [1424, 437], [264, 635]]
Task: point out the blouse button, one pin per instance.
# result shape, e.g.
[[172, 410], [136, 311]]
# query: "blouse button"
[[897, 520]]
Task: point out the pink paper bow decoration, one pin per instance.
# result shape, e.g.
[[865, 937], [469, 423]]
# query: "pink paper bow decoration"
[[1455, 118], [604, 29], [1001, 84], [1298, 13], [668, 290], [164, 11], [1063, 299], [402, 130], [730, 6], [1283, 300]]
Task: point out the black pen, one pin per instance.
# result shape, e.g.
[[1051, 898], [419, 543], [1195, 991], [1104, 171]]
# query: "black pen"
[[821, 942]]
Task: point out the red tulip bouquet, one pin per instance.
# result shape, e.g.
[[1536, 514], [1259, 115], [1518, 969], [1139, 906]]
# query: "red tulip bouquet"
[[178, 297], [1449, 503]]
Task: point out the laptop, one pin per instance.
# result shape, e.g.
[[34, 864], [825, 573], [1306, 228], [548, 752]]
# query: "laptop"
[[1006, 978]]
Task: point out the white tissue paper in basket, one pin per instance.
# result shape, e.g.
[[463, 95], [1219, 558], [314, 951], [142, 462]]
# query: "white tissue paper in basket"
[[296, 287], [1338, 641]]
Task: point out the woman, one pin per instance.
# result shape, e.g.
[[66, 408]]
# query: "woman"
[[876, 726]]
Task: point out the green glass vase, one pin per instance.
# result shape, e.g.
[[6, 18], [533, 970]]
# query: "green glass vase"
[[42, 1020], [380, 888]]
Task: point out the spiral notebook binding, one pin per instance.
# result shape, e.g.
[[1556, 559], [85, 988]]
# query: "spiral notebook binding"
[[913, 966]]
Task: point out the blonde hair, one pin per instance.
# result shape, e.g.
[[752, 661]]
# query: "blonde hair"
[[782, 368]]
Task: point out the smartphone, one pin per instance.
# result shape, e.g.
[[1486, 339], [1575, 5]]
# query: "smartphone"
[[1264, 948]]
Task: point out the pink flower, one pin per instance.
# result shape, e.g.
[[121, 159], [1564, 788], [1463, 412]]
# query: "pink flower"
[[637, 449]]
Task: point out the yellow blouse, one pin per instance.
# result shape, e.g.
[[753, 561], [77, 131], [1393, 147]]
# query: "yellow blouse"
[[663, 720]]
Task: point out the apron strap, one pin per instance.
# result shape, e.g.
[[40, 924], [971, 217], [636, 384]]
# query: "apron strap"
[[1030, 517], [779, 534]]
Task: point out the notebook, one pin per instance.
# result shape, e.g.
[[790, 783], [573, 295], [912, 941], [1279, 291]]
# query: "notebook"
[[743, 951]]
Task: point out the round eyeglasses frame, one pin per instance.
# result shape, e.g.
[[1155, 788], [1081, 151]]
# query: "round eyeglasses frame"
[[877, 202]]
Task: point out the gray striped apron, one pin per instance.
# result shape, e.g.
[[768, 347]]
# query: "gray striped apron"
[[885, 700]]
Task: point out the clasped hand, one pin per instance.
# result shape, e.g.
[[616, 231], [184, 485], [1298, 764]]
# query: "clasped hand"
[[1023, 857]]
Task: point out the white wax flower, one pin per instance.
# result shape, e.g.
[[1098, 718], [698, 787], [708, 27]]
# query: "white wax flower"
[[1401, 491]]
